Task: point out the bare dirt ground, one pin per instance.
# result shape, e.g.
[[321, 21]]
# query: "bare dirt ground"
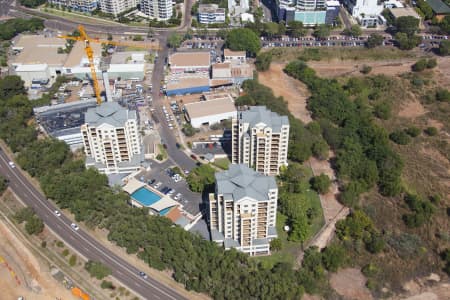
[[443, 75], [412, 109], [351, 284], [335, 68], [293, 91], [34, 280]]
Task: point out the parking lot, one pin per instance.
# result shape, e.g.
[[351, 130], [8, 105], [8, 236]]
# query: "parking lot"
[[158, 174]]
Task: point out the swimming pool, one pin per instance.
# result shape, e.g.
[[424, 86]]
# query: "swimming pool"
[[145, 197]]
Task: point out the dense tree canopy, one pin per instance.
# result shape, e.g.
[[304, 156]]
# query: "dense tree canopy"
[[32, 3], [374, 40], [11, 28], [362, 148], [243, 39], [201, 178]]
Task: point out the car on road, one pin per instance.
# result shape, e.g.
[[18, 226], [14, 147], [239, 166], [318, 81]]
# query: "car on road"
[[74, 226], [143, 275], [57, 213], [11, 164]]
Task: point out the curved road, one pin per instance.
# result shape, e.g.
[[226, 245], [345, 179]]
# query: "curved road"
[[82, 241]]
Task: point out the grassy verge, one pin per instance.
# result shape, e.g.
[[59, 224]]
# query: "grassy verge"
[[162, 151], [77, 16], [343, 53], [288, 252], [222, 163]]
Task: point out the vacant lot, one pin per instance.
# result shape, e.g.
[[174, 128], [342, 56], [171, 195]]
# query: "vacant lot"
[[33, 278], [293, 91]]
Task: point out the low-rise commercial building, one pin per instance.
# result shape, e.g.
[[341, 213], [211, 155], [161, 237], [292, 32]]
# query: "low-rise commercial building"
[[215, 109], [260, 139], [190, 62], [440, 9], [210, 14], [37, 57], [111, 139], [230, 56], [367, 12], [404, 12], [187, 85], [242, 210]]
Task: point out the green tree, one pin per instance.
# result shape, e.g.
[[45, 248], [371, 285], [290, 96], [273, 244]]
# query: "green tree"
[[188, 130], [406, 42], [333, 257], [425, 8], [374, 40], [408, 25], [299, 229], [296, 29], [431, 131], [32, 3], [420, 65], [201, 178], [431, 63], [400, 137], [10, 86], [444, 47], [263, 61], [276, 245], [320, 149], [97, 269], [174, 40], [321, 183], [73, 260], [322, 31], [3, 184], [355, 31], [412, 131], [271, 29], [243, 39], [34, 225], [107, 285], [443, 95]]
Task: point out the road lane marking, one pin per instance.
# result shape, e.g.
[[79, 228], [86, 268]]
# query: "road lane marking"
[[114, 260]]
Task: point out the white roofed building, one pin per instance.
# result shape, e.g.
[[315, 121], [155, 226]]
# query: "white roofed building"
[[242, 210]]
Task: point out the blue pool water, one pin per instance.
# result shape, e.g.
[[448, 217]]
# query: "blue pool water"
[[145, 196], [165, 211]]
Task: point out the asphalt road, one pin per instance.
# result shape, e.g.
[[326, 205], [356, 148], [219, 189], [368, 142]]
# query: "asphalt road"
[[176, 155], [82, 241]]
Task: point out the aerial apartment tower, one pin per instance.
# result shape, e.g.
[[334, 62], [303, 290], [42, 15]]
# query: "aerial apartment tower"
[[260, 140], [111, 139], [242, 211], [157, 9]]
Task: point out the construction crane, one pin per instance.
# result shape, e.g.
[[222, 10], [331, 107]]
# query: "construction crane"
[[83, 37]]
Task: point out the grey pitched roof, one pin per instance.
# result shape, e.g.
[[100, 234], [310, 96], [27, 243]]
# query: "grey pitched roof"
[[439, 7], [260, 114], [110, 113], [240, 181]]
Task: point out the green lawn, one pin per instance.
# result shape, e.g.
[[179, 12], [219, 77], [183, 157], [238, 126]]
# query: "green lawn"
[[222, 163], [290, 250], [162, 151]]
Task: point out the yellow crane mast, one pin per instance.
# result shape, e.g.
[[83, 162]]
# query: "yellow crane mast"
[[90, 53]]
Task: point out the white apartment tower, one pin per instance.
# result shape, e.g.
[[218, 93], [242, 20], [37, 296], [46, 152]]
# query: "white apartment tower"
[[78, 5], [310, 4], [157, 9], [116, 7], [111, 139], [242, 211], [260, 140]]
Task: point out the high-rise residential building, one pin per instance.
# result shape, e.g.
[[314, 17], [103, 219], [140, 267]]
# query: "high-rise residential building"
[[310, 4], [242, 210], [78, 5], [260, 140], [157, 9], [111, 139], [309, 12], [116, 7]]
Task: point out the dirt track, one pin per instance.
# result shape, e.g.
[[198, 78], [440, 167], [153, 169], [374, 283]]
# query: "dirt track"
[[33, 279]]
